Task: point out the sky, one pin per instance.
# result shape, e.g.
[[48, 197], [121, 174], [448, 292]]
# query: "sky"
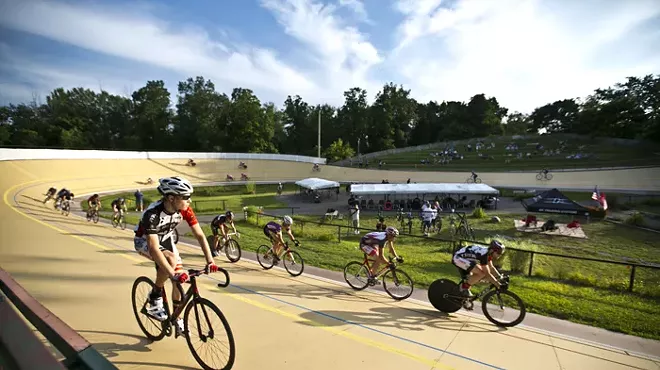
[[525, 53]]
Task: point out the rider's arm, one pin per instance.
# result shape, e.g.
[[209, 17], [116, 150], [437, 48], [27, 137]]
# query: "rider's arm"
[[391, 247], [157, 254], [233, 226], [489, 274], [492, 268], [201, 239], [290, 233]]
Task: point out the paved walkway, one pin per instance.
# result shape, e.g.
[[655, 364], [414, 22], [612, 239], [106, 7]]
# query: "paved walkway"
[[83, 273]]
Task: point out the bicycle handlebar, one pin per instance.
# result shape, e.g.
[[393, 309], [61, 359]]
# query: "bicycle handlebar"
[[194, 273]]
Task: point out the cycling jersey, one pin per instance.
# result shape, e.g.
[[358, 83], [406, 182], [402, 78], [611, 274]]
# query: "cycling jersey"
[[155, 220], [63, 193], [115, 203], [217, 222], [93, 199], [467, 257], [370, 242], [272, 227]]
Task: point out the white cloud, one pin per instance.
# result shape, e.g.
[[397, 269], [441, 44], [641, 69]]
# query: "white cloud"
[[341, 54], [138, 37], [357, 6], [524, 52]]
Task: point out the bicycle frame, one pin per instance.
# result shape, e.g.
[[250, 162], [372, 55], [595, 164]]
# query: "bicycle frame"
[[389, 266], [191, 294]]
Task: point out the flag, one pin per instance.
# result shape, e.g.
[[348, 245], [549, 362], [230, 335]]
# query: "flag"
[[603, 201], [595, 195]]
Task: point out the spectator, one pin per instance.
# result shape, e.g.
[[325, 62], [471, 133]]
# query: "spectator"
[[380, 226], [355, 216], [139, 201]]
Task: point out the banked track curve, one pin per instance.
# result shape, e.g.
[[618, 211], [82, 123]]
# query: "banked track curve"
[[83, 273]]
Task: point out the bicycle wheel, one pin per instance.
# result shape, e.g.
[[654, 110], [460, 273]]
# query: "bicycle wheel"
[[95, 217], [202, 328], [150, 326], [539, 176], [493, 305], [265, 257], [358, 271], [399, 280], [477, 181], [470, 180], [233, 250], [122, 222], [115, 222], [548, 176], [443, 295], [293, 263]]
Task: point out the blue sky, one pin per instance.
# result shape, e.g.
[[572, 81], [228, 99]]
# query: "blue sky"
[[526, 53]]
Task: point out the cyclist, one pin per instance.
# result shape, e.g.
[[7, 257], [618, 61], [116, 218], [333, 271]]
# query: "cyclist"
[[474, 176], [93, 203], [66, 196], [118, 205], [50, 194], [273, 231], [373, 243], [154, 240], [475, 262], [219, 223], [60, 196]]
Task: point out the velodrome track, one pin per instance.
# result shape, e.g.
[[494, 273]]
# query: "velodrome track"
[[83, 273]]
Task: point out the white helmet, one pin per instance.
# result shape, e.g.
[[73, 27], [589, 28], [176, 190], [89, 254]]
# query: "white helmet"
[[175, 185], [288, 220]]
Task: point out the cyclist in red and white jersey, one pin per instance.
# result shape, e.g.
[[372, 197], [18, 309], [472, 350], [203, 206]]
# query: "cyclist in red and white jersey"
[[154, 238], [373, 243]]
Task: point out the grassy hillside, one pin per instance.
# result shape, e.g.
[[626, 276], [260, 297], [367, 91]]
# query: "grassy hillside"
[[598, 152]]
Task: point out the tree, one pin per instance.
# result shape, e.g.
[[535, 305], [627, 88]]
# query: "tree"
[[338, 150], [152, 118]]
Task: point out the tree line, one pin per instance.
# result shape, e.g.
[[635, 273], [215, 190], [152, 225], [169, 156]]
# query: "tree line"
[[205, 120]]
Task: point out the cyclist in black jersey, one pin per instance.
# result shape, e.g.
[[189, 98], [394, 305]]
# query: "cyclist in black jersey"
[[219, 223], [154, 239], [118, 205]]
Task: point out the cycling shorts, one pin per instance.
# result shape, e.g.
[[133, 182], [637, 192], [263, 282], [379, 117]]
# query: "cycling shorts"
[[270, 234], [140, 245], [369, 250], [464, 264]]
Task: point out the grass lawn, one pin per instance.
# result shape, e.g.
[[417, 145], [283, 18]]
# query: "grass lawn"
[[605, 154]]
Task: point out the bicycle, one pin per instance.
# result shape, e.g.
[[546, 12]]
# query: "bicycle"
[[445, 296], [94, 216], [120, 221], [191, 299], [230, 246], [473, 180], [390, 269], [66, 207], [265, 254], [542, 175]]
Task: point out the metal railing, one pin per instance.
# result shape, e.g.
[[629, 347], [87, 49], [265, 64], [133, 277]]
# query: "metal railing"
[[457, 241], [25, 350]]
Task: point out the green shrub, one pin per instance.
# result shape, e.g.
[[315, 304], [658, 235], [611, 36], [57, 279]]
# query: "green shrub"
[[251, 187], [479, 213], [635, 219]]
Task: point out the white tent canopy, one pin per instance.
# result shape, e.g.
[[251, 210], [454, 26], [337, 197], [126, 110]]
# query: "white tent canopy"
[[314, 183], [430, 188]]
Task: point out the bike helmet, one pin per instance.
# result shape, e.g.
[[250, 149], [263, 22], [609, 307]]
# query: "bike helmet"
[[175, 186], [287, 220], [390, 230], [496, 246], [121, 200], [230, 215]]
